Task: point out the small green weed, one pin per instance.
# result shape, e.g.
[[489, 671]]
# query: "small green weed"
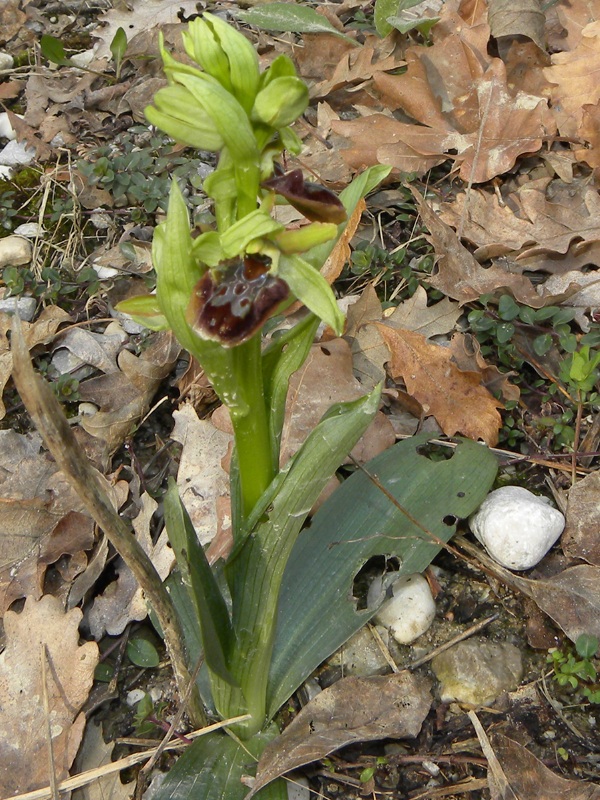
[[574, 668]]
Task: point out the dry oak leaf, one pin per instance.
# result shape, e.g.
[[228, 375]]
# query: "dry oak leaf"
[[574, 78], [457, 399], [465, 109], [352, 710], [574, 16], [543, 217], [525, 776], [42, 631], [369, 351], [460, 276], [521, 18], [415, 315]]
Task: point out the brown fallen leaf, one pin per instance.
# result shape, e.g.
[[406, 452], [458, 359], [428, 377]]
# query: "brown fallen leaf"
[[415, 315], [41, 520], [42, 631], [457, 399], [463, 104], [124, 397], [369, 351], [466, 353], [352, 710], [123, 600], [527, 777], [42, 331], [460, 276], [93, 754], [580, 538], [573, 75]]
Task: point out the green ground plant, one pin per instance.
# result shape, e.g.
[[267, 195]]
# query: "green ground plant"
[[574, 667]]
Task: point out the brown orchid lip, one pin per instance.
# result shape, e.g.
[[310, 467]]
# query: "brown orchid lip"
[[233, 304], [316, 202]]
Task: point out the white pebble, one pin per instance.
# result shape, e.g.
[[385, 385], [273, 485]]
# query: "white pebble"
[[15, 251], [6, 129], [516, 527], [134, 697], [409, 612], [16, 154], [82, 60], [6, 61]]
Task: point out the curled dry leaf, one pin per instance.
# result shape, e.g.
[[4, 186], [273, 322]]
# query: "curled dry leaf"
[[415, 315], [525, 776], [41, 519], [352, 710], [42, 631], [580, 538], [42, 331], [123, 600]]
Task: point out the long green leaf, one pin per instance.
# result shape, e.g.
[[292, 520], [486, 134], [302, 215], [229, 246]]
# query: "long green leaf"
[[217, 635], [212, 767], [317, 612], [256, 573], [289, 18]]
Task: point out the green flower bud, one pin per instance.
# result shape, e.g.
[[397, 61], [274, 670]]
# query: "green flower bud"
[[177, 114], [299, 240], [281, 102], [225, 54]]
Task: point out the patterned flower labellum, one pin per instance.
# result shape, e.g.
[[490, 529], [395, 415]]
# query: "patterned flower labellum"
[[316, 202], [233, 307]]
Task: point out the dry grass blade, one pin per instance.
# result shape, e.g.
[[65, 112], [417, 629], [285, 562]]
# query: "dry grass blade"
[[85, 778], [50, 421]]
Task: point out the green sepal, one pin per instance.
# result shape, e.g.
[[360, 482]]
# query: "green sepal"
[[177, 114], [227, 114], [281, 102], [290, 141], [311, 288], [197, 576], [144, 309], [298, 240], [207, 249], [205, 49], [256, 225], [281, 67]]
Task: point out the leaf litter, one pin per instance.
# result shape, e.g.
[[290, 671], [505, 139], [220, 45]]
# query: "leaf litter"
[[482, 96]]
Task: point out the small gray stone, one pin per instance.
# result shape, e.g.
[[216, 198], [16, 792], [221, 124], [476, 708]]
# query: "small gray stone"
[[477, 671], [360, 656], [15, 251], [24, 305]]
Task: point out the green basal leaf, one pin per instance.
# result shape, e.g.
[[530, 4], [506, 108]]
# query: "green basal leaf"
[[217, 636], [142, 653], [53, 49], [256, 225], [289, 18], [357, 522], [118, 48], [311, 288], [212, 768], [145, 310], [280, 360], [281, 102], [421, 24]]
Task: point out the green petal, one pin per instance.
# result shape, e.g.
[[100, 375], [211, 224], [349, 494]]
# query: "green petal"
[[281, 102]]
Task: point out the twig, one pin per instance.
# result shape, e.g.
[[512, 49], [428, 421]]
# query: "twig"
[[49, 419], [479, 626]]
